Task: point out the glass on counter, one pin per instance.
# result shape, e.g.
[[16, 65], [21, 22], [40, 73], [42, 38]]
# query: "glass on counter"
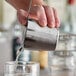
[[62, 63], [21, 68], [72, 43], [13, 68], [67, 41]]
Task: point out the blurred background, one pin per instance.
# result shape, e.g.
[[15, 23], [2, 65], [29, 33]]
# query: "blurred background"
[[11, 32]]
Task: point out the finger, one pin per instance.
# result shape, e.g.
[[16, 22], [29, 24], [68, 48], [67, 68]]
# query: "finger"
[[21, 14], [38, 14], [42, 20], [34, 15], [50, 16], [57, 21]]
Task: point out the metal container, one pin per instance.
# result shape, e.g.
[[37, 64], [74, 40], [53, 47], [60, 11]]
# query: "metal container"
[[40, 38]]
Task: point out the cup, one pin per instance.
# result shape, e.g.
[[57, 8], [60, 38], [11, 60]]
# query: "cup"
[[21, 68], [66, 42], [62, 63], [38, 38], [61, 60], [14, 68]]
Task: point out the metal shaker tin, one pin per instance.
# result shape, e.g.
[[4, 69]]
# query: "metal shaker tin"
[[40, 38]]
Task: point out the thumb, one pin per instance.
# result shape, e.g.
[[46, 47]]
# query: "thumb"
[[21, 15]]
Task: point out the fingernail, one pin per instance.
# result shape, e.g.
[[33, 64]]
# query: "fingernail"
[[57, 24], [42, 23], [52, 25]]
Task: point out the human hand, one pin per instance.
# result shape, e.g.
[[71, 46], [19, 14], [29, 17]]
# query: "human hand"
[[43, 15]]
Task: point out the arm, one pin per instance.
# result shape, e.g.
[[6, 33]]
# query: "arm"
[[24, 4]]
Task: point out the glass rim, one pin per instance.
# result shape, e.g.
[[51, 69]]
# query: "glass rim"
[[21, 63], [15, 62], [26, 65], [63, 53], [62, 50]]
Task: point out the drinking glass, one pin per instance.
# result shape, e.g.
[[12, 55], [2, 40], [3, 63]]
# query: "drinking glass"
[[61, 63], [21, 68], [67, 41], [16, 68]]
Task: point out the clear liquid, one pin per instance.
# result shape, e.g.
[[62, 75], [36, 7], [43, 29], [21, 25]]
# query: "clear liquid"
[[19, 53], [23, 55]]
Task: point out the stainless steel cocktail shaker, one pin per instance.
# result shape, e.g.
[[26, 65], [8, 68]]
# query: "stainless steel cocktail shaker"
[[40, 38]]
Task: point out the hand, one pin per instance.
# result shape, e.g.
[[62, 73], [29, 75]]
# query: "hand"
[[43, 15]]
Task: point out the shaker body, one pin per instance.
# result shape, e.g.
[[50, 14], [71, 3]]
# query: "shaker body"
[[40, 38]]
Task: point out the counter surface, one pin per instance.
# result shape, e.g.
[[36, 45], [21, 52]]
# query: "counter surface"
[[58, 73]]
